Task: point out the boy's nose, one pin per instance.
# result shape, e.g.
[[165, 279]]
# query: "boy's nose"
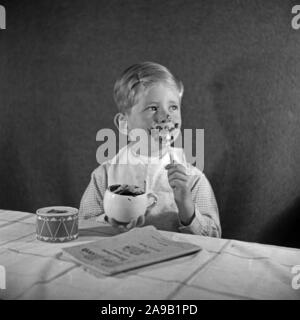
[[167, 119], [164, 117]]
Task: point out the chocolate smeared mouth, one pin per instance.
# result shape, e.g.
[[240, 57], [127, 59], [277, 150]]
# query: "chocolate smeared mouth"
[[165, 127], [164, 132]]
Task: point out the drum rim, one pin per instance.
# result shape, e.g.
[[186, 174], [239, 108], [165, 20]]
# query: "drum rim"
[[43, 211]]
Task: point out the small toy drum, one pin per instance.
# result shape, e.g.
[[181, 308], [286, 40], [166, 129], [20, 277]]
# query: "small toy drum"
[[57, 224]]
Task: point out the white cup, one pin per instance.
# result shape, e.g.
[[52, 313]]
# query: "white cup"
[[125, 208]]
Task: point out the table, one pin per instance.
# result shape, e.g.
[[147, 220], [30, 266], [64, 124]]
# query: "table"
[[223, 269]]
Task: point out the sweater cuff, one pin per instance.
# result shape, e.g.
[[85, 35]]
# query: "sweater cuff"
[[194, 225]]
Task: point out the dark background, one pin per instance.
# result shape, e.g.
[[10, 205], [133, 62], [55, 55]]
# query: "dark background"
[[239, 61]]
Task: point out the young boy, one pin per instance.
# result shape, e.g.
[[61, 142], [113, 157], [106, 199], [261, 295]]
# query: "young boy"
[[149, 97]]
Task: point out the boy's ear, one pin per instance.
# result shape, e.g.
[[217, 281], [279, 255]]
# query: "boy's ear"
[[120, 122]]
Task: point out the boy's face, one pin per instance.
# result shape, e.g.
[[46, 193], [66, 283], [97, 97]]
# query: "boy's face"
[[157, 111]]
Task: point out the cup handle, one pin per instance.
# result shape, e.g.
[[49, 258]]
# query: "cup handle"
[[155, 198]]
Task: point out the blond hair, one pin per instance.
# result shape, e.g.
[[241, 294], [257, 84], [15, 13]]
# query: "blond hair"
[[138, 76]]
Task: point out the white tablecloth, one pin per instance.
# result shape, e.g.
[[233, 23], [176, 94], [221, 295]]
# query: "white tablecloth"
[[223, 269]]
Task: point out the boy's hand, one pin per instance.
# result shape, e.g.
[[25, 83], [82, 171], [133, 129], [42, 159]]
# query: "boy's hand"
[[123, 227], [178, 180]]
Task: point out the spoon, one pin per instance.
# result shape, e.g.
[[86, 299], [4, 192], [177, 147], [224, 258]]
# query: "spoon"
[[168, 145]]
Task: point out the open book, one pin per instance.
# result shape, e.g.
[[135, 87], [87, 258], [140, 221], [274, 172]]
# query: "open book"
[[135, 248]]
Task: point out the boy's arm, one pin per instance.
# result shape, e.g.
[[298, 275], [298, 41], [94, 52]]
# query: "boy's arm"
[[206, 220], [91, 204]]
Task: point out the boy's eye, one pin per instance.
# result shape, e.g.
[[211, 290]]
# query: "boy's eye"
[[174, 107], [152, 108]]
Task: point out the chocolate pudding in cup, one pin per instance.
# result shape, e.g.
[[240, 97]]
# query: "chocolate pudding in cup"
[[123, 202]]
